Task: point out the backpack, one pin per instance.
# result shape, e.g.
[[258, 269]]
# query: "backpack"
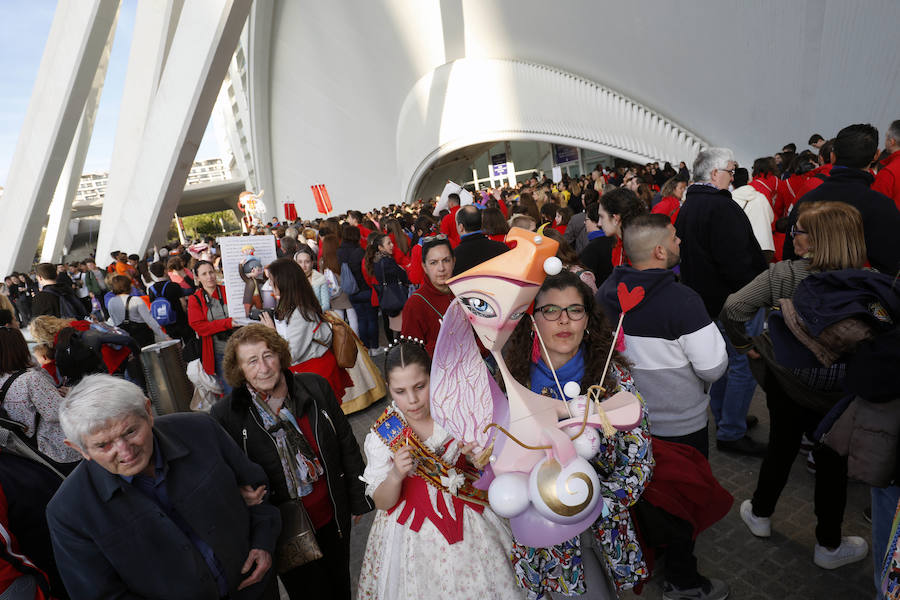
[[160, 307], [69, 306], [348, 281], [75, 357]]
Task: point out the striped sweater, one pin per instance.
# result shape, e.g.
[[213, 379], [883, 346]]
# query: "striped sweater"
[[676, 350]]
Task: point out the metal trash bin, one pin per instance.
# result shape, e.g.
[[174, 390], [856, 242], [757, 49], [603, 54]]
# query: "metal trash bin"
[[166, 375]]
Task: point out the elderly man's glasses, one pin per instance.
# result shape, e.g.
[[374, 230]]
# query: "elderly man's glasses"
[[552, 312]]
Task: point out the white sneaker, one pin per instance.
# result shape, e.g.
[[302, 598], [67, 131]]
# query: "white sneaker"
[[758, 526], [852, 549]]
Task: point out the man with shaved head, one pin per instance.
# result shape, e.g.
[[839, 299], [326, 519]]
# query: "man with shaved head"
[[677, 352]]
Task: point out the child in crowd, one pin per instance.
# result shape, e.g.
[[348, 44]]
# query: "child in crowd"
[[434, 535]]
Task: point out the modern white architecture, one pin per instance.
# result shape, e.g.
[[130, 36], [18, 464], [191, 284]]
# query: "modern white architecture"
[[376, 98]]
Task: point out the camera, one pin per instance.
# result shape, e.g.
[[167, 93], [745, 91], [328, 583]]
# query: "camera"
[[255, 313]]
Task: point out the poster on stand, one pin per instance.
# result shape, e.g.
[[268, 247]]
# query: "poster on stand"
[[247, 255]]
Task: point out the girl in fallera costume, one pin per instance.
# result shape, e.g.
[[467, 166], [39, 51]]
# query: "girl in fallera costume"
[[434, 535]]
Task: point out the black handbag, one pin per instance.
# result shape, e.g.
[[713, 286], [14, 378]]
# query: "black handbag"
[[296, 543], [393, 296], [140, 332]]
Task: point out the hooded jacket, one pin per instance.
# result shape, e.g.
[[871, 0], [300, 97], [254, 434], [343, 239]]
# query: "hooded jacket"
[[676, 350], [759, 213]]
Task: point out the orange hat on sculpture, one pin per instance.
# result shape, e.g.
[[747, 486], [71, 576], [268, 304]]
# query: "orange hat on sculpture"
[[525, 262]]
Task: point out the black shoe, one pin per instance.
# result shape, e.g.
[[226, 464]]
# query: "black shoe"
[[752, 421], [745, 445]]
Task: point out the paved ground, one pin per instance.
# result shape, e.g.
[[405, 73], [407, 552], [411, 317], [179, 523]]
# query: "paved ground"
[[778, 568]]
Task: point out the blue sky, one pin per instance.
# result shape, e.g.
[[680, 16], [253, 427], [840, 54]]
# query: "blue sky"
[[24, 27]]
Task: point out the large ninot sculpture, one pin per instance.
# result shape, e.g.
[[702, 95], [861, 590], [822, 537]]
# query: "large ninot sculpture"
[[538, 475]]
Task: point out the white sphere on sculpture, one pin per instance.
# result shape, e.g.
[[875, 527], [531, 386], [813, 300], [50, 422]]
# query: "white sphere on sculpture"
[[553, 266], [588, 443], [572, 389], [508, 494]]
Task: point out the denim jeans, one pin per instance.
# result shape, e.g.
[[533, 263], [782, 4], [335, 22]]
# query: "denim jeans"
[[367, 317], [884, 504], [730, 396]]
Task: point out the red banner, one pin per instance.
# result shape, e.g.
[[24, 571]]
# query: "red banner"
[[326, 199], [320, 205], [290, 211]]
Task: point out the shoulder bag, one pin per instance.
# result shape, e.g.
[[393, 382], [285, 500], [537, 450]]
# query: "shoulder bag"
[[343, 341]]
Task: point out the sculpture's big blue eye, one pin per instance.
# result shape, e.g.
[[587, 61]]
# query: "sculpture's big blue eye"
[[479, 307]]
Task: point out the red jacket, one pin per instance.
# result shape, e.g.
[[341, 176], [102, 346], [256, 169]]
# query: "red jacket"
[[415, 272], [888, 179], [448, 227], [814, 179], [205, 328], [422, 314], [364, 233], [669, 206]]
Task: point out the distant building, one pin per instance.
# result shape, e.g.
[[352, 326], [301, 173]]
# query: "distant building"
[[92, 187]]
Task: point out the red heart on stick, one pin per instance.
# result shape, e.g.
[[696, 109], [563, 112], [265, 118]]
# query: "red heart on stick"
[[629, 299]]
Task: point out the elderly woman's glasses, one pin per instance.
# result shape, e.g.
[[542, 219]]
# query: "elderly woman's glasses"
[[552, 312]]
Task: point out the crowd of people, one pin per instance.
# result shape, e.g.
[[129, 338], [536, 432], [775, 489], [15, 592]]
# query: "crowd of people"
[[782, 276]]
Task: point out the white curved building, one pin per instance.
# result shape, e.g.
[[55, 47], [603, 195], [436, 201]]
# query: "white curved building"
[[368, 96]]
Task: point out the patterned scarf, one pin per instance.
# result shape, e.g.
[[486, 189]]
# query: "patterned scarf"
[[299, 462]]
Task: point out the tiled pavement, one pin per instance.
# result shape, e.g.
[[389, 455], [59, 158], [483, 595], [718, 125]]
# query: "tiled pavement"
[[778, 568]]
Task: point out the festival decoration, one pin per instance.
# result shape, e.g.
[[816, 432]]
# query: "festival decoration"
[[537, 475]]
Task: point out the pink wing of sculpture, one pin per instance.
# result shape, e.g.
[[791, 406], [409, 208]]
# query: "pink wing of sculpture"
[[462, 400]]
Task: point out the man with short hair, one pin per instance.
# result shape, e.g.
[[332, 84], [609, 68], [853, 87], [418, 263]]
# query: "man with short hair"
[[474, 247], [854, 148], [448, 223], [676, 352], [676, 349], [156, 508], [55, 299], [719, 255], [816, 141], [888, 179]]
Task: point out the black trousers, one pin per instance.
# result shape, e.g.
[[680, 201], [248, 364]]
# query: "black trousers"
[[788, 421], [328, 577], [698, 440]]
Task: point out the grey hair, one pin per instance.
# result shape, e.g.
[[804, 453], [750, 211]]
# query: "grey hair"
[[97, 400], [292, 232], [709, 159], [893, 131]]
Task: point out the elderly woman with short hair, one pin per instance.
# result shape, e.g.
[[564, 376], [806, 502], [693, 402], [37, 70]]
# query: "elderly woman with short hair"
[[291, 425]]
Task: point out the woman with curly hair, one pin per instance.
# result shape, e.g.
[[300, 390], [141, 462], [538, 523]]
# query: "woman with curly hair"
[[576, 342]]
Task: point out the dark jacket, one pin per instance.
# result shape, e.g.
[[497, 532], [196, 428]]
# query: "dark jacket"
[[474, 249], [46, 302], [112, 541], [597, 256], [719, 253], [353, 255], [880, 217], [310, 396]]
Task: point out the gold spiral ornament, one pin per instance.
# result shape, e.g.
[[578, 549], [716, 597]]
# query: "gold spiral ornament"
[[547, 477]]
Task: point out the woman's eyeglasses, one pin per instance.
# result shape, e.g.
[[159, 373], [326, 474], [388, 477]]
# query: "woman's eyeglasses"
[[795, 231], [552, 312], [431, 238]]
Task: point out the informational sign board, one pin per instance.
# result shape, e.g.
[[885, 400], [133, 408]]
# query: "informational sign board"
[[564, 154], [235, 251], [499, 166]]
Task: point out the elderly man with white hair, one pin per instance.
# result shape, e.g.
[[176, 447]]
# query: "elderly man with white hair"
[[155, 510], [719, 255]]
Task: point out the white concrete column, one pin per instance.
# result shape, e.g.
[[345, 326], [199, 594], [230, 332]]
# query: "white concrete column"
[[67, 187], [78, 35], [207, 34], [259, 52], [154, 28]]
